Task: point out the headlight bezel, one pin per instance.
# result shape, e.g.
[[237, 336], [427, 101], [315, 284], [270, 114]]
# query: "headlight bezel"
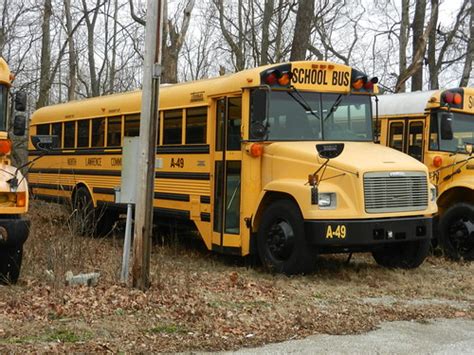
[[327, 200]]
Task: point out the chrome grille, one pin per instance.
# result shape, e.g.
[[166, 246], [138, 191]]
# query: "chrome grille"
[[395, 192]]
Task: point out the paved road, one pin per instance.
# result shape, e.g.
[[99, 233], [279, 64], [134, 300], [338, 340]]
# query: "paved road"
[[446, 336]]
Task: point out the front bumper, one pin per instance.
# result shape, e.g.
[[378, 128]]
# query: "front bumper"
[[13, 231], [366, 234]]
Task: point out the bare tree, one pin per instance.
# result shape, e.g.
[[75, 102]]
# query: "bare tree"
[[45, 79], [467, 70], [403, 39], [419, 41], [304, 18], [72, 82]]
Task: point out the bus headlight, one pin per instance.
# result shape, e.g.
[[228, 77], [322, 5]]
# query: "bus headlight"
[[433, 193], [327, 200]]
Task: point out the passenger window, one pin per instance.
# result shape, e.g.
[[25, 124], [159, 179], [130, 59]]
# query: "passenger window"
[[69, 134], [57, 130], [196, 125], [83, 134], [132, 125], [98, 132], [42, 129], [114, 131], [172, 127]]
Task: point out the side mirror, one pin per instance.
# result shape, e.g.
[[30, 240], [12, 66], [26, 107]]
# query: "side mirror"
[[19, 125], [20, 101], [468, 148], [45, 143], [447, 126], [259, 112], [330, 151]]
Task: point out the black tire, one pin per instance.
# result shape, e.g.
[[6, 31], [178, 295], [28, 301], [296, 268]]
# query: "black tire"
[[404, 255], [281, 241], [84, 221], [456, 232], [10, 264]]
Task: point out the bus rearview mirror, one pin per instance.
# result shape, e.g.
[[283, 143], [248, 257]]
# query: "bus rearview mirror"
[[446, 126], [330, 151], [45, 143]]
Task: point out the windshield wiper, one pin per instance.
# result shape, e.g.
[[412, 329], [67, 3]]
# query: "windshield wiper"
[[303, 103], [334, 107]]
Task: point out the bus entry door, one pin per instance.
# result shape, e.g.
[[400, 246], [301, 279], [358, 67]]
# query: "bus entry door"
[[227, 176]]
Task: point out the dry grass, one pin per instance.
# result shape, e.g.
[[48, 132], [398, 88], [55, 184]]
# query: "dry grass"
[[203, 301]]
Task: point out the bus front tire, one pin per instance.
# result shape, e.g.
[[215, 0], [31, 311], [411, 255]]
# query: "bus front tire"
[[281, 240], [404, 255], [456, 232], [10, 264]]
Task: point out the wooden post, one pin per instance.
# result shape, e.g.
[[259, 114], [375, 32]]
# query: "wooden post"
[[149, 123]]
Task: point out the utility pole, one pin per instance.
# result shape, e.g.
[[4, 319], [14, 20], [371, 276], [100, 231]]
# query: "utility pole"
[[149, 123]]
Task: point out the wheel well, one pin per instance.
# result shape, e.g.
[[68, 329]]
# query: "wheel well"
[[268, 199], [455, 195], [77, 187]]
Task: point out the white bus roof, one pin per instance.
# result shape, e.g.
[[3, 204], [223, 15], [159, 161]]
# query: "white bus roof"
[[403, 104]]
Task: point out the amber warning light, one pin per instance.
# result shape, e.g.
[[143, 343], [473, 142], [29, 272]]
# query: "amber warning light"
[[452, 98]]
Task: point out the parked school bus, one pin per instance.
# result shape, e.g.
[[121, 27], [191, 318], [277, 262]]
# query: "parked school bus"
[[437, 128], [240, 160], [14, 228]]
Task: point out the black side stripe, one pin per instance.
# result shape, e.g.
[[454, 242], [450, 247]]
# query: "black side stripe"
[[183, 149], [160, 175], [171, 196], [51, 186]]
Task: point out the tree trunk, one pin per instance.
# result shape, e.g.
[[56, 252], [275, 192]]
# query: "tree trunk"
[[304, 18], [432, 65], [267, 17], [418, 29], [72, 82], [45, 82], [470, 51]]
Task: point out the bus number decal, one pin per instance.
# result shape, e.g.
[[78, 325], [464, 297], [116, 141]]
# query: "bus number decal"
[[116, 161], [471, 102], [339, 232], [72, 161], [177, 163]]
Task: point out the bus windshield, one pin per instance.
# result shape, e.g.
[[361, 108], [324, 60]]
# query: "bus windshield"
[[3, 107], [295, 116], [463, 132]]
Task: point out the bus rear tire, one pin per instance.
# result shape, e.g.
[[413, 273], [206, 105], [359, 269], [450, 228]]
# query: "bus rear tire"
[[404, 255], [10, 264], [84, 221], [456, 232], [281, 241]]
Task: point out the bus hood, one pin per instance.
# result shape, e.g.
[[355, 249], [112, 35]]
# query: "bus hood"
[[298, 159]]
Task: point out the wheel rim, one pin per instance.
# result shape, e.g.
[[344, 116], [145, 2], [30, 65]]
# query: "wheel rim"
[[461, 236], [280, 240]]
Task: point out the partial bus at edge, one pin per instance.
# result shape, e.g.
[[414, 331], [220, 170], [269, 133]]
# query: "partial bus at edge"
[[277, 161], [437, 128]]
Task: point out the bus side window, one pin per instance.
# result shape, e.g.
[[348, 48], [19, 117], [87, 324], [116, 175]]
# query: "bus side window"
[[69, 134], [98, 132], [234, 120], [114, 131], [42, 129], [196, 125], [57, 130], [132, 125], [415, 140], [83, 133], [172, 126]]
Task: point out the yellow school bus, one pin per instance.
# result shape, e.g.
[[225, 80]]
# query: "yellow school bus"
[[277, 160], [437, 128], [14, 228]]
